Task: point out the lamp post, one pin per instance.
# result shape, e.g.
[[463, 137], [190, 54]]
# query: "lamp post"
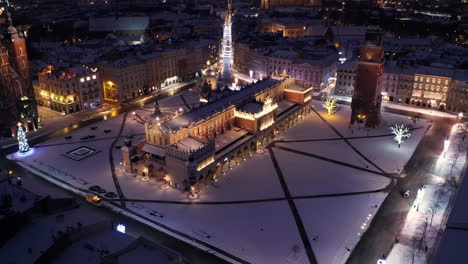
[[460, 118], [446, 146]]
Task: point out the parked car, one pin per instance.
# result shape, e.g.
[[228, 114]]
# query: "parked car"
[[110, 195], [406, 194], [96, 188]]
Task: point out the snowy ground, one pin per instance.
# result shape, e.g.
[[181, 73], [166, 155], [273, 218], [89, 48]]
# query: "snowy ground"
[[245, 213], [425, 221]]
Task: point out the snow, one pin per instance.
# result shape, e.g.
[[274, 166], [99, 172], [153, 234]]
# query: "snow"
[[237, 227], [418, 110], [328, 149], [257, 233], [37, 235], [337, 222], [340, 120], [385, 152], [430, 209], [309, 176]]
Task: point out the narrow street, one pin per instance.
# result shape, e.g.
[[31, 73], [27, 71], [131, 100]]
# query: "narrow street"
[[389, 220]]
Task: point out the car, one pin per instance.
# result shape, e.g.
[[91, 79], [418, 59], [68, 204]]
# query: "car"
[[406, 194], [96, 188], [110, 195], [94, 199]]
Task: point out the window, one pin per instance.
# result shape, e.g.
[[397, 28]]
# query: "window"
[[81, 79], [94, 77], [88, 78]]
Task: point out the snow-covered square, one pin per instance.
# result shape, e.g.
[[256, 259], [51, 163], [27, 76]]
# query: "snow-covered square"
[[311, 194]]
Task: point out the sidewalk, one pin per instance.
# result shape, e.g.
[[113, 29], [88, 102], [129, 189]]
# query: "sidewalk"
[[417, 110], [428, 215]]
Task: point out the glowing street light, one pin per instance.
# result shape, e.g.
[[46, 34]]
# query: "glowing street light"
[[460, 118], [446, 146], [121, 228], [381, 261]]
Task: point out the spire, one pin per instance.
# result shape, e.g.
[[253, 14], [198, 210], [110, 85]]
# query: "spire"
[[11, 29]]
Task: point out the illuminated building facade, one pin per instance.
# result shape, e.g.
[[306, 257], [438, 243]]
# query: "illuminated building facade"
[[69, 89], [367, 98], [192, 148], [17, 102], [128, 77]]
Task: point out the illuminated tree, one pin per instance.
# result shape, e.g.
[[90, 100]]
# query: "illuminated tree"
[[401, 132], [22, 141], [330, 105]]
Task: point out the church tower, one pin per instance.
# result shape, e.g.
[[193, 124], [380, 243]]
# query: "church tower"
[[17, 50], [17, 102], [367, 98]]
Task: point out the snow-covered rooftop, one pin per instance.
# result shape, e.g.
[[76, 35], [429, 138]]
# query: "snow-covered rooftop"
[[214, 107]]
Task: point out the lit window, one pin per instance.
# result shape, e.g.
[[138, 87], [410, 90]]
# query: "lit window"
[[88, 78], [94, 77], [82, 80], [416, 78]]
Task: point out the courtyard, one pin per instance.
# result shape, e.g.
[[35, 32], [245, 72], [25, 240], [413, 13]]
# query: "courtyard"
[[309, 195]]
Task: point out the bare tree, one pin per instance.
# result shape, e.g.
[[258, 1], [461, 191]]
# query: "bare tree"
[[401, 132], [453, 162], [418, 239]]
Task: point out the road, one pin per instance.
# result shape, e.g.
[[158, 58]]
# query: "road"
[[389, 220], [83, 119]]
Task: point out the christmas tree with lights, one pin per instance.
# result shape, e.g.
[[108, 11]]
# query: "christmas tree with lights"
[[22, 141]]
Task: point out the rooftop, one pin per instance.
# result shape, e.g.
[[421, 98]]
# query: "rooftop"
[[211, 108]]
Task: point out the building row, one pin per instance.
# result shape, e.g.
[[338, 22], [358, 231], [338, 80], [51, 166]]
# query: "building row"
[[310, 60], [436, 86], [121, 74]]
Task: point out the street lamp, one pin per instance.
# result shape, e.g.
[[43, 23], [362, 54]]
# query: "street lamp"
[[134, 115], [446, 146], [381, 261], [460, 117]]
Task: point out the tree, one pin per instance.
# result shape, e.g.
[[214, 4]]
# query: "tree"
[[22, 141], [330, 105], [401, 132], [453, 162]]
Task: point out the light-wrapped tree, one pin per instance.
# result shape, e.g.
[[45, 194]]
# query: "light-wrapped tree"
[[401, 132], [330, 105]]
